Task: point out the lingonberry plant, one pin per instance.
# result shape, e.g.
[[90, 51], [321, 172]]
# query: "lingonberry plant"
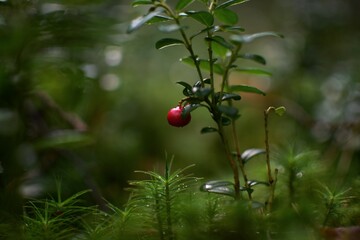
[[223, 42]]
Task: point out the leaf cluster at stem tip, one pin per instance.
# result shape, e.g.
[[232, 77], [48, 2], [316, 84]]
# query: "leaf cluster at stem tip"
[[216, 23]]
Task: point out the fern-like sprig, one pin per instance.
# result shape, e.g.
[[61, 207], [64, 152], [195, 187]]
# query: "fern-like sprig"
[[156, 198]]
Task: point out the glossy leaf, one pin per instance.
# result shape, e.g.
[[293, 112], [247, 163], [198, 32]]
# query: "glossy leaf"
[[220, 50], [234, 29], [221, 41], [250, 153], [226, 16], [251, 37], [208, 130], [204, 65], [228, 96], [219, 187], [187, 88], [167, 42], [230, 3], [228, 111], [189, 108], [202, 17], [136, 3], [256, 71], [182, 4], [225, 121], [253, 57], [169, 28], [252, 183], [207, 80], [185, 84], [159, 18], [140, 21], [245, 88], [202, 92]]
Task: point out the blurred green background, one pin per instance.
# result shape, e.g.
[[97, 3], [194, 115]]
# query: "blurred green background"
[[84, 102]]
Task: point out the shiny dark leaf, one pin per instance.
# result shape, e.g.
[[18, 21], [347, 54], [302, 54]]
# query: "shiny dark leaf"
[[250, 153], [228, 96], [140, 21], [226, 16], [229, 111], [251, 37], [182, 4], [219, 187], [225, 121], [208, 130], [189, 108], [252, 183], [141, 2], [202, 17], [167, 42], [244, 88], [230, 3], [253, 57], [256, 71]]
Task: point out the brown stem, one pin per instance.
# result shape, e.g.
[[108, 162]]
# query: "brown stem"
[[241, 164], [266, 116], [231, 161]]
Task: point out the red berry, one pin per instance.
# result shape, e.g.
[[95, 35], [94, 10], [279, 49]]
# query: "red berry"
[[176, 119]]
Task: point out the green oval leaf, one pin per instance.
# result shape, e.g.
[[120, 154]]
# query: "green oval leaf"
[[233, 96], [230, 3], [221, 41], [167, 42], [225, 121], [219, 187], [202, 17], [189, 108], [226, 16], [250, 153], [182, 4], [159, 18], [245, 88], [256, 71], [234, 29], [229, 111], [140, 21], [185, 84], [187, 88], [208, 130], [252, 183], [169, 28], [201, 92], [253, 57], [251, 37], [136, 3]]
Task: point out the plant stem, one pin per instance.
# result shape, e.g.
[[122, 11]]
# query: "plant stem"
[[158, 216], [225, 83], [231, 161], [266, 116], [170, 233], [271, 180], [187, 41], [241, 164]]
